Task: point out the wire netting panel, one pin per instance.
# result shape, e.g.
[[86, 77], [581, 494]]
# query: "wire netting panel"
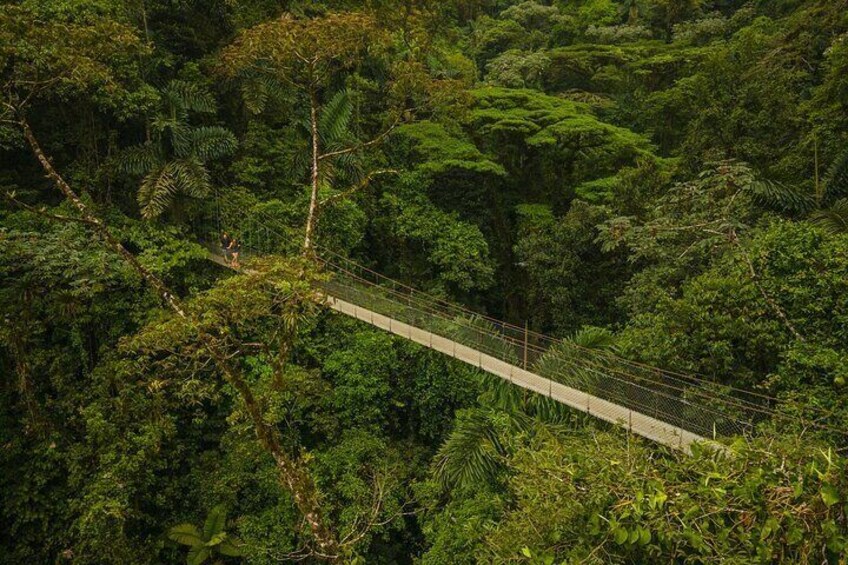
[[660, 402], [669, 407]]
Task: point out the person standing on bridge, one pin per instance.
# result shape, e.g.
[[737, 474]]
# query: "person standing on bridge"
[[226, 241], [235, 249]]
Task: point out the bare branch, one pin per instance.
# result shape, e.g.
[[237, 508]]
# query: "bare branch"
[[361, 146], [356, 188], [43, 212], [755, 278]]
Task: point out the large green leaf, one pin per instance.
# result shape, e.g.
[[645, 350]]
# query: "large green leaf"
[[198, 555], [230, 547], [215, 521], [186, 534], [829, 494]]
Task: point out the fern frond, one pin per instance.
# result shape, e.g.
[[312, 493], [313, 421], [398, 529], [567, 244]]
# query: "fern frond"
[[335, 117], [834, 219], [211, 142], [139, 159]]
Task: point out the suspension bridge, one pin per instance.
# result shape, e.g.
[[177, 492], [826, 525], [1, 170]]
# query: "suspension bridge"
[[670, 408]]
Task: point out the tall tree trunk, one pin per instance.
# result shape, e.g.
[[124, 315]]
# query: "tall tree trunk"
[[312, 217], [292, 471]]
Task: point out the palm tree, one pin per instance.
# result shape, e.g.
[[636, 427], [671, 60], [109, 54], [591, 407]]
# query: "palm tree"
[[474, 452], [833, 219], [211, 542], [173, 160]]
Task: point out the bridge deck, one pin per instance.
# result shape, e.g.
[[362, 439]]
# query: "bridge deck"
[[636, 422]]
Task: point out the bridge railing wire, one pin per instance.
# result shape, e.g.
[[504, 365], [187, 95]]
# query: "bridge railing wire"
[[694, 408], [689, 402]]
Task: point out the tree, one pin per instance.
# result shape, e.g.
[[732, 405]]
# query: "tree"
[[173, 159], [306, 54], [83, 63], [209, 542]]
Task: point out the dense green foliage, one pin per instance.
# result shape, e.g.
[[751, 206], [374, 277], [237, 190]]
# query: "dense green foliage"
[[666, 180]]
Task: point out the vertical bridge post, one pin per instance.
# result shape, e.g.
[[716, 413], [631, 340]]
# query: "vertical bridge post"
[[526, 337]]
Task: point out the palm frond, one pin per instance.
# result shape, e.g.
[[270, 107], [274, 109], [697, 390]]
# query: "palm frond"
[[593, 337], [157, 191], [335, 117], [579, 361], [780, 196], [211, 142], [181, 139], [836, 177], [139, 159], [189, 96], [192, 177], [161, 186], [472, 453], [260, 89], [347, 166], [502, 394], [834, 219]]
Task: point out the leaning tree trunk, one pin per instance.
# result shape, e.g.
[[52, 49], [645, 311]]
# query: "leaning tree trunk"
[[292, 470]]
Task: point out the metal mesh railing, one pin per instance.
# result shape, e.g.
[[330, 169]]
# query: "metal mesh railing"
[[700, 407], [687, 402]]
